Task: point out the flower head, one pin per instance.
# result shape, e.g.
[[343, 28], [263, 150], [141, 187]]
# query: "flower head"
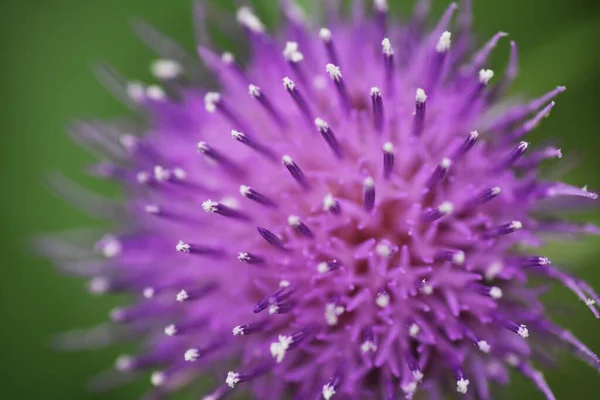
[[349, 216]]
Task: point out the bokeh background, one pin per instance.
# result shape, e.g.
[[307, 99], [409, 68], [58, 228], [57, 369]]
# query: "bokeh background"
[[47, 48]]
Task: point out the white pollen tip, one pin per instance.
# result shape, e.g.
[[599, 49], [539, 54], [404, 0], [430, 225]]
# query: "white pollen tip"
[[290, 47], [227, 57], [165, 69], [152, 209], [332, 312], [334, 72], [496, 190], [462, 385], [516, 225], [446, 163], [473, 135], [368, 182], [496, 293], [523, 331], [418, 375], [245, 190], [136, 91], [278, 349], [388, 147], [170, 330], [381, 5], [148, 292], [590, 302], [284, 283], [484, 346], [458, 258], [243, 256], [375, 92], [124, 362], [383, 250], [444, 43], [322, 268], [238, 331], [414, 330], [288, 83], [485, 75], [158, 378], [253, 90], [382, 300], [328, 391], [237, 135], [210, 206], [387, 47], [98, 285], [293, 220], [273, 308], [329, 202], [420, 97], [191, 355], [247, 18], [325, 34], [182, 296], [182, 247], [287, 160], [202, 147], [368, 346], [321, 124], [446, 207], [211, 99], [232, 379], [523, 145]]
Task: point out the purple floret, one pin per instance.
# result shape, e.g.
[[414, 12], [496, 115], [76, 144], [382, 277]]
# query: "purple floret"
[[353, 215]]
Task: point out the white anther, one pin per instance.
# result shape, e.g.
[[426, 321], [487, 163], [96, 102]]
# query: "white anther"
[[152, 208], [493, 270], [211, 99], [323, 267], [238, 331], [287, 160], [283, 283], [325, 34], [98, 285], [158, 378], [383, 250], [495, 293], [387, 47], [148, 292], [523, 331], [458, 258], [278, 349], [328, 391], [516, 225], [462, 385], [329, 202], [170, 330], [111, 247], [414, 330], [210, 206], [321, 124], [426, 288], [484, 346], [136, 91], [293, 220], [182, 247], [182, 296], [444, 43], [232, 379], [368, 182], [273, 309], [124, 362], [334, 72], [246, 17], [485, 75], [332, 312], [381, 5], [590, 302], [165, 68], [420, 96], [382, 300], [253, 90], [368, 346], [288, 83], [446, 207], [375, 92], [388, 147], [446, 163], [156, 93], [191, 355], [227, 57]]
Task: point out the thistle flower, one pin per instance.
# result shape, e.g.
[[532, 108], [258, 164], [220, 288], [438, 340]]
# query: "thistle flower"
[[353, 215]]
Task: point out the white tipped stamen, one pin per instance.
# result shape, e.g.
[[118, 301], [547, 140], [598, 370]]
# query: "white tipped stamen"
[[128, 141], [458, 258], [136, 91], [210, 206], [329, 202], [387, 47], [202, 147], [325, 34], [288, 83], [287, 160], [418, 375], [165, 69], [170, 330], [247, 18], [148, 292], [421, 97], [111, 247], [237, 135], [426, 288], [409, 388], [462, 385], [484, 346], [227, 57], [182, 247], [332, 312], [98, 285], [375, 92], [388, 147], [493, 270], [328, 391], [253, 90], [496, 190], [161, 174], [368, 182], [124, 362], [321, 124], [414, 330], [446, 163], [152, 209], [590, 302], [485, 75], [383, 250], [182, 296], [446, 207], [158, 378], [143, 177], [278, 349], [232, 379], [284, 283], [191, 355], [334, 72], [381, 5], [382, 300], [243, 256], [293, 221], [245, 190], [368, 346], [238, 331], [273, 309], [323, 267], [444, 43], [211, 99], [496, 293], [290, 48], [523, 331], [516, 225]]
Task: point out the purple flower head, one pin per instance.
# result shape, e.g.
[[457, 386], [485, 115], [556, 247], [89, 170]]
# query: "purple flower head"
[[354, 214]]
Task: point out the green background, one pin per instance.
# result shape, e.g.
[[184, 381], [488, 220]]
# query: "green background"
[[47, 48]]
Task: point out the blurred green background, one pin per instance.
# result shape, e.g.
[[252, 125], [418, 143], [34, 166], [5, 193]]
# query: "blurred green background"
[[47, 49]]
